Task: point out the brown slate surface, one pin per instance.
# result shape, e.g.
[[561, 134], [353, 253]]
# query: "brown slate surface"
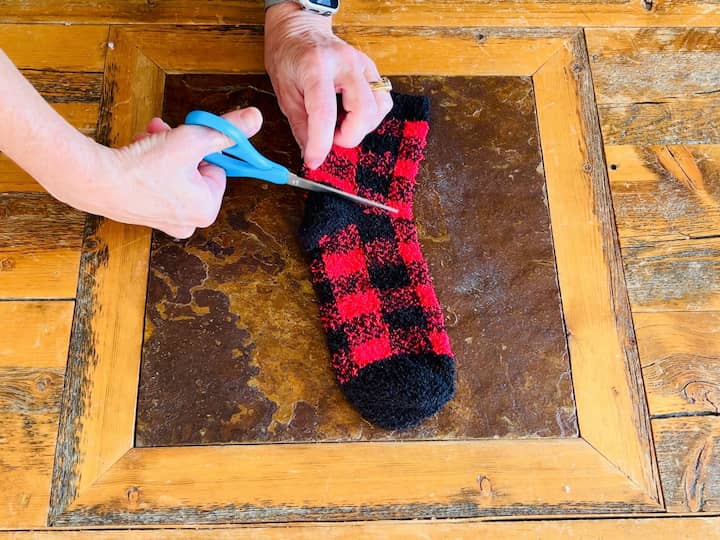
[[234, 350]]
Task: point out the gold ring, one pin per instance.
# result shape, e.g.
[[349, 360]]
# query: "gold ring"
[[383, 85]]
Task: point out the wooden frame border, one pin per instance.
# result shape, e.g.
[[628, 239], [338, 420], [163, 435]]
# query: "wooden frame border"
[[100, 478], [499, 13]]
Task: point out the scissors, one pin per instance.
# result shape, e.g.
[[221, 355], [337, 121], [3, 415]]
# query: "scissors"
[[245, 161]]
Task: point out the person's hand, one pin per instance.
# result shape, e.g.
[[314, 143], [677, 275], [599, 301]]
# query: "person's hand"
[[159, 180], [308, 65]]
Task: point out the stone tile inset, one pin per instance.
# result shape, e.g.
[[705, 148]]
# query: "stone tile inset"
[[234, 350]]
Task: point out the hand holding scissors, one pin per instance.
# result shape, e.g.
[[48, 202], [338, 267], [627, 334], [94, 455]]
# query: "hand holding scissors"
[[243, 160]]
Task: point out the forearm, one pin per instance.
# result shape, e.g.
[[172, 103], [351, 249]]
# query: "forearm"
[[36, 137]]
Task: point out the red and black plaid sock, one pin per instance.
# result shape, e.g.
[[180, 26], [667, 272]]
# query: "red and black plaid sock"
[[384, 325]]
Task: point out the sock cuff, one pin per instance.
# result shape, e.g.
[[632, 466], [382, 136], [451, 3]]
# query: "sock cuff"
[[382, 168]]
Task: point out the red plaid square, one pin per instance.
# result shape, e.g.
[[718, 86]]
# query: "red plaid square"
[[371, 351], [352, 306], [344, 264]]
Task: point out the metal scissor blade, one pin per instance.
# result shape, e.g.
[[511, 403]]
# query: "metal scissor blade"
[[297, 181]]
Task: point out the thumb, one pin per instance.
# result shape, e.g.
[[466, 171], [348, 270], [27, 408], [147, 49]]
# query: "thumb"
[[247, 120], [199, 141]]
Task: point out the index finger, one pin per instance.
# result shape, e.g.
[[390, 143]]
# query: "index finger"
[[321, 107]]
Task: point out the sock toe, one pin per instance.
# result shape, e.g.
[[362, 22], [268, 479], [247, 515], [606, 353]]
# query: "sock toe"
[[401, 391]]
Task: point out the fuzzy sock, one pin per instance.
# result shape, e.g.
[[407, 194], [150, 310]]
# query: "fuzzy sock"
[[385, 330]]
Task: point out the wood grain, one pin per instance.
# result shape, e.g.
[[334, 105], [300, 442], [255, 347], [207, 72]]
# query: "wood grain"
[[30, 390], [688, 451], [97, 424], [431, 51], [35, 334], [81, 115], [100, 479], [680, 355], [13, 178], [418, 13], [603, 355], [679, 121], [665, 193], [620, 529], [638, 65], [27, 442], [683, 275], [50, 274], [66, 86], [56, 47], [39, 246], [657, 86], [240, 483]]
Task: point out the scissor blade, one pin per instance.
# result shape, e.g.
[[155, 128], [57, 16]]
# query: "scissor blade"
[[304, 183]]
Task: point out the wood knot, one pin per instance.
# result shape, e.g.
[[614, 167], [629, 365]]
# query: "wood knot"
[[577, 68], [7, 264], [133, 495], [90, 244], [485, 486], [647, 5], [587, 168], [480, 38], [42, 383]]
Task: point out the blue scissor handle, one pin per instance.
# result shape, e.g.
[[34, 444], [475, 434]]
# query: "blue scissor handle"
[[246, 161]]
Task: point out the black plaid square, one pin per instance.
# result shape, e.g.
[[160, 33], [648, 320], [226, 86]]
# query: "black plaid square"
[[389, 276]]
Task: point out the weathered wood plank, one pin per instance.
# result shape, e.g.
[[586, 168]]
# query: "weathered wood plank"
[[40, 241], [657, 86], [680, 355], [683, 275], [665, 192], [42, 274], [688, 451], [610, 42], [30, 390], [634, 65], [35, 334], [27, 441], [66, 86], [56, 47], [676, 121], [419, 12], [607, 529], [36, 222]]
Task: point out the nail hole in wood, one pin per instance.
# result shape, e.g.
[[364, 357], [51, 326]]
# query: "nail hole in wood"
[[133, 494], [485, 486]]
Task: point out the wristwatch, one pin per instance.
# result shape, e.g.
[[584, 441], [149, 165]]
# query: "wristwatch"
[[321, 7]]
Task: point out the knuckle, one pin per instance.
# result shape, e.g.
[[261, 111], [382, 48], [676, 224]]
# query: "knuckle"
[[349, 57], [313, 60]]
